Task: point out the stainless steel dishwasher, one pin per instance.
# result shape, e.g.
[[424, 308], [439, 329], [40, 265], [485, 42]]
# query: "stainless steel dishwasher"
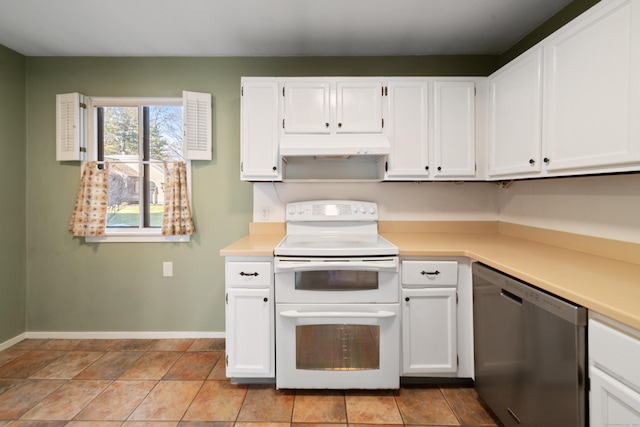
[[530, 354]]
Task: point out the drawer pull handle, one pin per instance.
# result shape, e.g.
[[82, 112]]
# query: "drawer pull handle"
[[430, 273], [242, 273]]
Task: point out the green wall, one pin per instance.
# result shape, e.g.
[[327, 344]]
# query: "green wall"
[[12, 195], [75, 286]]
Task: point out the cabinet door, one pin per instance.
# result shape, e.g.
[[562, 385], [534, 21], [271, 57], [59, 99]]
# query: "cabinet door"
[[250, 337], [429, 331], [592, 90], [259, 132], [611, 403], [408, 130], [454, 129], [515, 117], [307, 107], [359, 107]]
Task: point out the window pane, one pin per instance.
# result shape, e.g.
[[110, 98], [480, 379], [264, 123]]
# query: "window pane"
[[123, 207], [165, 133], [121, 131], [156, 194]]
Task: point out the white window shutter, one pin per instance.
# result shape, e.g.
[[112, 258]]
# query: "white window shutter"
[[71, 125], [196, 113]]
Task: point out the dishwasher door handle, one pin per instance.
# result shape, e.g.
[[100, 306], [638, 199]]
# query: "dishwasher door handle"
[[508, 295]]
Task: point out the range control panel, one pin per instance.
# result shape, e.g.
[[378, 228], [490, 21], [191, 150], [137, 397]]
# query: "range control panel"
[[332, 210]]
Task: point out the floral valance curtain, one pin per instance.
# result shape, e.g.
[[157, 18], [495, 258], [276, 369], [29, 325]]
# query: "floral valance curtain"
[[177, 218], [90, 212]]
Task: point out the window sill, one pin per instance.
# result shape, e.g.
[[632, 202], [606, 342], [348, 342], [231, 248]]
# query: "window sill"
[[138, 236]]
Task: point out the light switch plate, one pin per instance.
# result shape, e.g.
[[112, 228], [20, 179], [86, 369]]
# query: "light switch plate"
[[167, 269]]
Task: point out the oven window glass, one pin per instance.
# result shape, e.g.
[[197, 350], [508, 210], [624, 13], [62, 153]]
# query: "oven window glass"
[[338, 347], [336, 280]]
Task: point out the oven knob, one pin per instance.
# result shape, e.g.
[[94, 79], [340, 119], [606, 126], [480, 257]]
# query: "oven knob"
[[372, 210], [291, 209], [300, 209], [363, 209]]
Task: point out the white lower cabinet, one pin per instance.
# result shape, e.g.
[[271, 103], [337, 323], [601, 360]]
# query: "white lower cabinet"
[[429, 331], [250, 343], [614, 373], [437, 317]]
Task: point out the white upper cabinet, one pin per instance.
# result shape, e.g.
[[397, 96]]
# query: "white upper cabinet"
[[431, 129], [260, 160], [359, 107], [454, 129], [591, 120], [307, 107], [515, 117], [332, 107], [408, 130]]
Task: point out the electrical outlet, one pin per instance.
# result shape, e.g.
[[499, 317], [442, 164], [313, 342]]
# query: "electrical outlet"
[[167, 269], [264, 213]]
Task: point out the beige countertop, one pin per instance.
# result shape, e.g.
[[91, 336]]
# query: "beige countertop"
[[573, 268]]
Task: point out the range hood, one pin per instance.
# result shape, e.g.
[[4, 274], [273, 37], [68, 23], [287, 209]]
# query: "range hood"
[[334, 145]]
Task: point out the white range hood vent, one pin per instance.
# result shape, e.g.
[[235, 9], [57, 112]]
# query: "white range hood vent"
[[334, 168], [334, 145]]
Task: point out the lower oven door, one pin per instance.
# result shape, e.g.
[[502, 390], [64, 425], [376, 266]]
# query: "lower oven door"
[[341, 346]]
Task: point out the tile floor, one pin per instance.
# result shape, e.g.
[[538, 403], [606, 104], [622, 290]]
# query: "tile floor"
[[165, 383]]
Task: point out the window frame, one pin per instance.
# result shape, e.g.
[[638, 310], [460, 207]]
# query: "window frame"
[[132, 235]]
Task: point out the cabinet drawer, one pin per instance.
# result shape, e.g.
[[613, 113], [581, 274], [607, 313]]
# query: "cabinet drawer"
[[248, 273], [615, 352], [429, 273]]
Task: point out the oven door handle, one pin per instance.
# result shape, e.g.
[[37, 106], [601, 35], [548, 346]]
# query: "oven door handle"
[[337, 265], [333, 314]]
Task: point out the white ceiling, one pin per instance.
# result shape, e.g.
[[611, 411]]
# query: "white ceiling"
[[268, 27]]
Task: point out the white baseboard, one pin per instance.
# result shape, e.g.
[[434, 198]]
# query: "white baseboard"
[[110, 335], [12, 341]]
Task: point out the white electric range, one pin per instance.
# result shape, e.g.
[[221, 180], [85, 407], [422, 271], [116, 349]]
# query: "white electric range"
[[337, 299]]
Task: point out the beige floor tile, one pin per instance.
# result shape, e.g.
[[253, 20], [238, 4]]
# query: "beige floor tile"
[[264, 403], [43, 423], [172, 345], [217, 401], [28, 364], [168, 401], [61, 344], [68, 365], [150, 424], [372, 408], [94, 424], [29, 344], [466, 404], [264, 424], [9, 355], [135, 345], [193, 366], [326, 407], [118, 401], [206, 424], [425, 406], [218, 373], [207, 344], [152, 365], [110, 366], [24, 395], [97, 344], [67, 401]]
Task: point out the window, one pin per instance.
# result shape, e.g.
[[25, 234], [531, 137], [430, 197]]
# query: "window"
[[133, 137]]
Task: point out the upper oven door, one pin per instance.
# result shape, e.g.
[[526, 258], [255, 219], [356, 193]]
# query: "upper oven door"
[[336, 280]]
